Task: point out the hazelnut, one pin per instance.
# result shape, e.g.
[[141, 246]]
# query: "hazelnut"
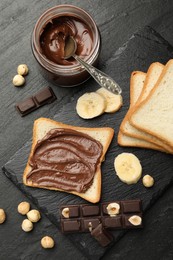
[[27, 225], [135, 220], [90, 226], [47, 242], [66, 213], [2, 216], [34, 215], [113, 209], [22, 69], [23, 208], [18, 80], [148, 181]]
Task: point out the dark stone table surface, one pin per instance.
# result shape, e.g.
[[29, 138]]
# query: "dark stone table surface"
[[117, 21]]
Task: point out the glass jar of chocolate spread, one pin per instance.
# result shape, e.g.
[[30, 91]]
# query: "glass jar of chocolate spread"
[[48, 40]]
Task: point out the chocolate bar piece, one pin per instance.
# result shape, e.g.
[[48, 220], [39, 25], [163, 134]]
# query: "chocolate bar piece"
[[89, 217], [103, 236], [90, 210], [72, 226], [113, 222], [43, 97], [90, 223], [131, 206]]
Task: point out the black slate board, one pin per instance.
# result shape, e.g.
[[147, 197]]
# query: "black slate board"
[[143, 48]]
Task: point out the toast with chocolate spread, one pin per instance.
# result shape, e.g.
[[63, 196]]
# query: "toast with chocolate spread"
[[67, 158]]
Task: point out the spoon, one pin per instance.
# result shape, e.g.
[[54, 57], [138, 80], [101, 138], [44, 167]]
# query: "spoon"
[[102, 79]]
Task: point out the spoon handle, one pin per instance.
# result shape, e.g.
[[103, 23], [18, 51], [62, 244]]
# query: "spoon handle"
[[102, 79]]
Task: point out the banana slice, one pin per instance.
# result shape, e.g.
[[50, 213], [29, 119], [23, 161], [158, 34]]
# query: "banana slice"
[[90, 105], [114, 102], [128, 168]]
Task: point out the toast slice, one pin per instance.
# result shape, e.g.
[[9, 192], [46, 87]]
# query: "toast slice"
[[104, 135], [154, 115], [125, 140], [153, 75], [136, 87]]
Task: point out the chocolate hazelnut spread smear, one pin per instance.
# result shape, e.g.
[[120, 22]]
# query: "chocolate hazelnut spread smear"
[[56, 32], [65, 159]]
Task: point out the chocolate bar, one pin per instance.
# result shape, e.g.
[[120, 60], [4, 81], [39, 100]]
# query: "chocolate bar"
[[114, 215], [41, 98]]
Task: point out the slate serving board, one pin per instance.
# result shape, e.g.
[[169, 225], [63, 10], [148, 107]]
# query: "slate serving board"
[[143, 48]]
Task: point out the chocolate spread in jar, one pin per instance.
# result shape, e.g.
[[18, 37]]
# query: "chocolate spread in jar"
[[65, 159], [55, 33]]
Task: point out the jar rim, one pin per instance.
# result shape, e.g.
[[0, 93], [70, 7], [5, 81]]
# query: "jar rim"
[[48, 11]]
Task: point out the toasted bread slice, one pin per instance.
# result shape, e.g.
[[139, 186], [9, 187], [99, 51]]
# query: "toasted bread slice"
[[154, 115], [104, 135]]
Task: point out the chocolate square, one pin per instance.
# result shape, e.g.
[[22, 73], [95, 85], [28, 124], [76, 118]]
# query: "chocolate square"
[[103, 236], [113, 222], [90, 210], [43, 96], [94, 223], [73, 211], [71, 225], [130, 206], [26, 106]]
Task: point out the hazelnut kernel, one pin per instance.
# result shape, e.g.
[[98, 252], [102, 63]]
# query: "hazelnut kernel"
[[148, 181], [135, 220], [27, 225], [2, 216], [113, 209], [47, 242], [66, 213], [34, 215], [22, 69], [23, 208], [18, 80]]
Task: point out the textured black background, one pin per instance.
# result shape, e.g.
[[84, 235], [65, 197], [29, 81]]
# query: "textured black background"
[[117, 20]]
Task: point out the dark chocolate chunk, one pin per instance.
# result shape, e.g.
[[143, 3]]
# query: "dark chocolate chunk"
[[71, 225], [43, 97], [26, 106], [103, 236], [113, 222], [131, 206], [73, 211], [90, 210], [90, 223]]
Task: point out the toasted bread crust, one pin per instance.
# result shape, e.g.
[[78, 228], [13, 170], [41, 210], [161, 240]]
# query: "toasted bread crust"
[[94, 192], [125, 140]]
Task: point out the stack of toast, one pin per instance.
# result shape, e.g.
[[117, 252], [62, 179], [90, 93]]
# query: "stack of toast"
[[149, 120]]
